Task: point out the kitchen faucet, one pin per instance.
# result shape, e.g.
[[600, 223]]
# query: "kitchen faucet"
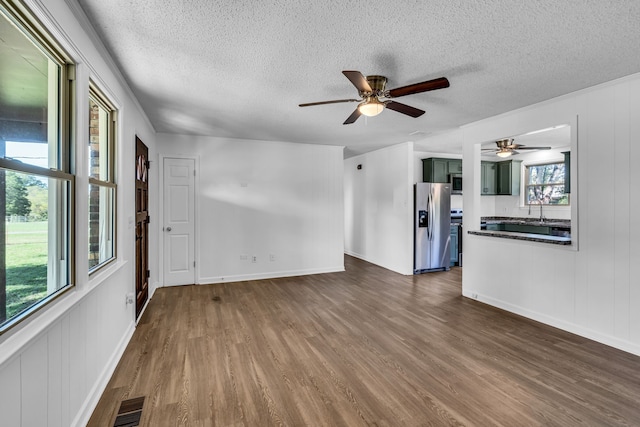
[[542, 218]]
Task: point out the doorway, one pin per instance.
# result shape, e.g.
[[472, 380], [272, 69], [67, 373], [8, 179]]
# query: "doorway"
[[179, 221], [142, 225]]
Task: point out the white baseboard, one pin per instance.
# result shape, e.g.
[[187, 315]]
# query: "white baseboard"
[[364, 258], [90, 403], [573, 328], [268, 275]]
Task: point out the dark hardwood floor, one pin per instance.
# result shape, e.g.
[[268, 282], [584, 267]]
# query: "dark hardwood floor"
[[363, 347]]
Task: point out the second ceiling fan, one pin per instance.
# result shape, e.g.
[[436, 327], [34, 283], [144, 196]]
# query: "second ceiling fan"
[[506, 147], [372, 88]]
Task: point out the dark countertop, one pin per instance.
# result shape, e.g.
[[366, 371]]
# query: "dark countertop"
[[560, 223], [556, 240]]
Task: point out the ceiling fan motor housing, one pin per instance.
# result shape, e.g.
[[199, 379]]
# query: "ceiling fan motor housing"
[[378, 85], [504, 143]]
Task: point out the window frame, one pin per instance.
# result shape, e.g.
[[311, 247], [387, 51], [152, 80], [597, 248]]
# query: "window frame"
[[526, 185], [96, 95], [32, 29]]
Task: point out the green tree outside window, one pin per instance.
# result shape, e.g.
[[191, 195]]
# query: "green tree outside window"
[[17, 201]]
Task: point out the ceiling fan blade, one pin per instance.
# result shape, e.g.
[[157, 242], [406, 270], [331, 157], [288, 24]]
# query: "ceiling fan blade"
[[310, 104], [358, 80], [353, 117], [533, 148], [439, 83], [404, 109]]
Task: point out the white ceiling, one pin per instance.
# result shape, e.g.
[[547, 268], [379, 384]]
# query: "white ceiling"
[[240, 68]]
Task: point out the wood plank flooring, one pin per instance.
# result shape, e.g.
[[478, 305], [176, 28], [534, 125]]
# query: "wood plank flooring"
[[363, 347]]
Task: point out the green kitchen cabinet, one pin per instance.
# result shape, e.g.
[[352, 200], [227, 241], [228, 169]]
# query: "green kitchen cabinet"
[[488, 178], [455, 165], [567, 171], [454, 244], [437, 169], [508, 177], [524, 228], [494, 227]]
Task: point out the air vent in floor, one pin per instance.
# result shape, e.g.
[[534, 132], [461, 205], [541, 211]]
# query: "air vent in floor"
[[129, 413]]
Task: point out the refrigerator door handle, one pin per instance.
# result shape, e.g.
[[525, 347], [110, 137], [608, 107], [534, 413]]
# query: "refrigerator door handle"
[[430, 204], [434, 215]]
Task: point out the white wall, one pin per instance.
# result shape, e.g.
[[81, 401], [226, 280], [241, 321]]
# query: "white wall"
[[53, 366], [260, 198], [378, 207], [592, 288]]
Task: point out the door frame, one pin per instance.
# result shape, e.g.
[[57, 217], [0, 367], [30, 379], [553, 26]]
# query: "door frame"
[[196, 201]]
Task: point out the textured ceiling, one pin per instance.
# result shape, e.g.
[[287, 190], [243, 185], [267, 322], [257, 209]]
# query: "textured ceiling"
[[240, 68]]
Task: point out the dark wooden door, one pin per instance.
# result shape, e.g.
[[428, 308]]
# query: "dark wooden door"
[[142, 225]]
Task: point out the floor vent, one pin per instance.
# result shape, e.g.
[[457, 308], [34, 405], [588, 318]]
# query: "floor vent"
[[129, 413]]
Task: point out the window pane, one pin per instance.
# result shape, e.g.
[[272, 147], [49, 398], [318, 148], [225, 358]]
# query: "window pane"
[[545, 184], [101, 207], [546, 174], [33, 241], [547, 195], [101, 183], [98, 141], [29, 95]]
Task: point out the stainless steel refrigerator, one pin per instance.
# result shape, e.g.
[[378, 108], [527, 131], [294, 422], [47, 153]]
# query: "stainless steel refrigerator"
[[432, 227]]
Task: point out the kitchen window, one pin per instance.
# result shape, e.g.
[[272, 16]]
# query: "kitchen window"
[[102, 187], [544, 184], [36, 183]]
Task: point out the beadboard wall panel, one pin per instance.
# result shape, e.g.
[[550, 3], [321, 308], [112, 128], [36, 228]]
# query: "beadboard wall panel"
[[588, 289]]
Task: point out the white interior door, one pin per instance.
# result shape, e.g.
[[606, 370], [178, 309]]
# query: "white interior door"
[[179, 221]]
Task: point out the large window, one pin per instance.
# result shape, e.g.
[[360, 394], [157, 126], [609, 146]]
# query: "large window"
[[545, 184], [102, 187], [36, 184]]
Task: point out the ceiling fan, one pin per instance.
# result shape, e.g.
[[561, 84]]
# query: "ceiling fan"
[[506, 148], [372, 88]]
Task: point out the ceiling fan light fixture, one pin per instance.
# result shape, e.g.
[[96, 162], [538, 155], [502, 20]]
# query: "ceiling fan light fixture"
[[372, 107], [503, 153]]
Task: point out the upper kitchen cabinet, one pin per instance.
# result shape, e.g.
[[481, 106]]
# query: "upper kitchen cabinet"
[[436, 169], [488, 178], [508, 177], [500, 178], [455, 165]]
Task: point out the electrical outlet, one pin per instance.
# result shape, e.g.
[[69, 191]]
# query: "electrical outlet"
[[272, 257], [254, 259], [243, 257], [474, 295]]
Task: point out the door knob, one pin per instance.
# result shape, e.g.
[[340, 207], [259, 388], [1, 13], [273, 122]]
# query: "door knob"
[[168, 228]]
